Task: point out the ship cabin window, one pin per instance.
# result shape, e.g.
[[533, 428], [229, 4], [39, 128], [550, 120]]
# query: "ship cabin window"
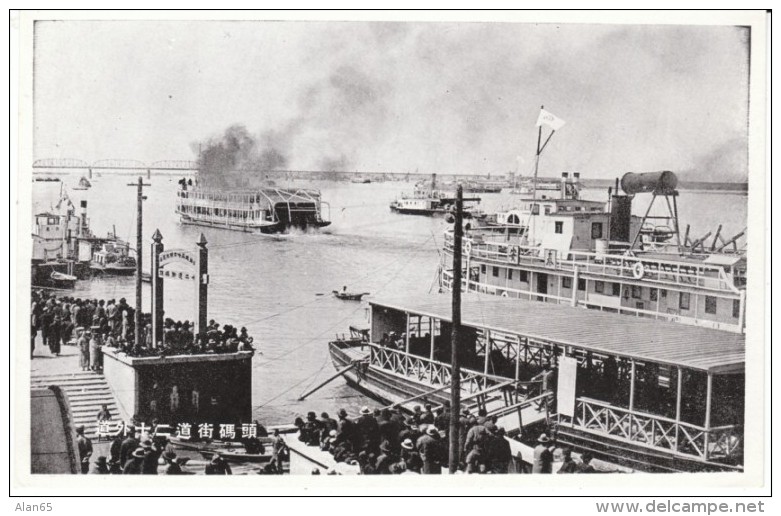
[[513, 219], [509, 274], [523, 276], [596, 230], [581, 284], [710, 305], [559, 227], [547, 210], [495, 272], [637, 291], [654, 294], [617, 289], [599, 287], [736, 308], [566, 282], [482, 269], [639, 305], [535, 209], [685, 299]]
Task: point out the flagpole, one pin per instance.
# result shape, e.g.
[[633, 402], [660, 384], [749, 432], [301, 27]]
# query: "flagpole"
[[534, 180]]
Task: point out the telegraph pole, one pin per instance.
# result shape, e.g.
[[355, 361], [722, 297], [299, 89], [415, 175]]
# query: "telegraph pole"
[[139, 245], [455, 374]]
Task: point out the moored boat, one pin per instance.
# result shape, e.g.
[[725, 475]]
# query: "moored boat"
[[591, 254], [643, 394], [113, 259]]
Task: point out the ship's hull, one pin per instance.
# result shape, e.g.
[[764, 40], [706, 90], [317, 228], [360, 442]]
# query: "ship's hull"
[[266, 228], [426, 212], [112, 271]]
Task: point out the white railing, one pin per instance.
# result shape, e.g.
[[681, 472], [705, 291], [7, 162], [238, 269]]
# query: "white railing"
[[610, 266], [431, 372], [446, 282], [724, 443]]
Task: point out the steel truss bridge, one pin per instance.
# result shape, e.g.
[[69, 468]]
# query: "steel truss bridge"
[[186, 166]]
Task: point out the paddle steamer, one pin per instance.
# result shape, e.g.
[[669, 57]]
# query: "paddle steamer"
[[263, 210], [565, 250]]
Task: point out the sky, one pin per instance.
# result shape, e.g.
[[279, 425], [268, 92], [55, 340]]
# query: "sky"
[[387, 96]]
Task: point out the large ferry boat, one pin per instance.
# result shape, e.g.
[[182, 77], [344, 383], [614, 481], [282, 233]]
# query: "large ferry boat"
[[566, 250], [427, 199], [637, 393], [264, 210]]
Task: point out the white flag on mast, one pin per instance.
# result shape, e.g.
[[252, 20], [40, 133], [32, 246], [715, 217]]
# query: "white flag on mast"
[[549, 119]]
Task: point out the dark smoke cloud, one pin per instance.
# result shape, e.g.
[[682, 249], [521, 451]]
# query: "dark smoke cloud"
[[236, 158]]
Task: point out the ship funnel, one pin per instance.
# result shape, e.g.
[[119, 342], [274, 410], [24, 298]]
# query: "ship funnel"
[[564, 179], [83, 222], [576, 177], [660, 183], [433, 182]]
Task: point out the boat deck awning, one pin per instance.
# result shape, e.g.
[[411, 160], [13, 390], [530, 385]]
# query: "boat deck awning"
[[676, 344]]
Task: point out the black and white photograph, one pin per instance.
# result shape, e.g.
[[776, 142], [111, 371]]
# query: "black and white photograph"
[[372, 243]]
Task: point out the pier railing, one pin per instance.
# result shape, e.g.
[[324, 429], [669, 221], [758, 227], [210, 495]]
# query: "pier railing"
[[446, 282], [431, 372], [724, 443], [670, 273]]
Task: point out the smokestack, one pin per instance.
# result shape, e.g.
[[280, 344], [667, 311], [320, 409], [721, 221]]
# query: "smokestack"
[[564, 176], [576, 177], [83, 221], [433, 182]]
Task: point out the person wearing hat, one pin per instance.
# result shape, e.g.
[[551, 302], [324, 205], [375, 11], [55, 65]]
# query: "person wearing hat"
[[218, 466], [368, 430], [173, 467], [386, 458], [129, 444], [499, 453], [134, 462], [410, 431], [152, 452], [327, 424], [432, 451], [475, 460], [310, 430], [477, 434], [427, 416], [101, 466], [85, 448], [410, 457], [543, 457], [345, 431]]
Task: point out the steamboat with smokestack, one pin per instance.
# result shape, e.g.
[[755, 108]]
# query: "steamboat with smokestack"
[[598, 255], [427, 199], [252, 210]]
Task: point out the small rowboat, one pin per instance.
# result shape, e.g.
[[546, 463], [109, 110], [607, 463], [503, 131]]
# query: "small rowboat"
[[349, 296], [63, 280]]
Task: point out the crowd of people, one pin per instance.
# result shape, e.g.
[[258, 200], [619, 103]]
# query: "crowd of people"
[[135, 453], [91, 324], [385, 441]]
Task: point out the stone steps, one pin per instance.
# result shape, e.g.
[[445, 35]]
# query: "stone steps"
[[87, 392]]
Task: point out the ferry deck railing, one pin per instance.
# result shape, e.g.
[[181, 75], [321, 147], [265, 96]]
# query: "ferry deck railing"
[[431, 372], [723, 443], [446, 282], [653, 270]]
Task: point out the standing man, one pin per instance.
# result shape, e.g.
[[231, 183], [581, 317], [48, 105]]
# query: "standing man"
[[431, 451], [85, 448], [83, 344], [543, 458]]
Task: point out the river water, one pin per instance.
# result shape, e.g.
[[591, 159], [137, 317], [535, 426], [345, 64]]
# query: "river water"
[[279, 286]]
